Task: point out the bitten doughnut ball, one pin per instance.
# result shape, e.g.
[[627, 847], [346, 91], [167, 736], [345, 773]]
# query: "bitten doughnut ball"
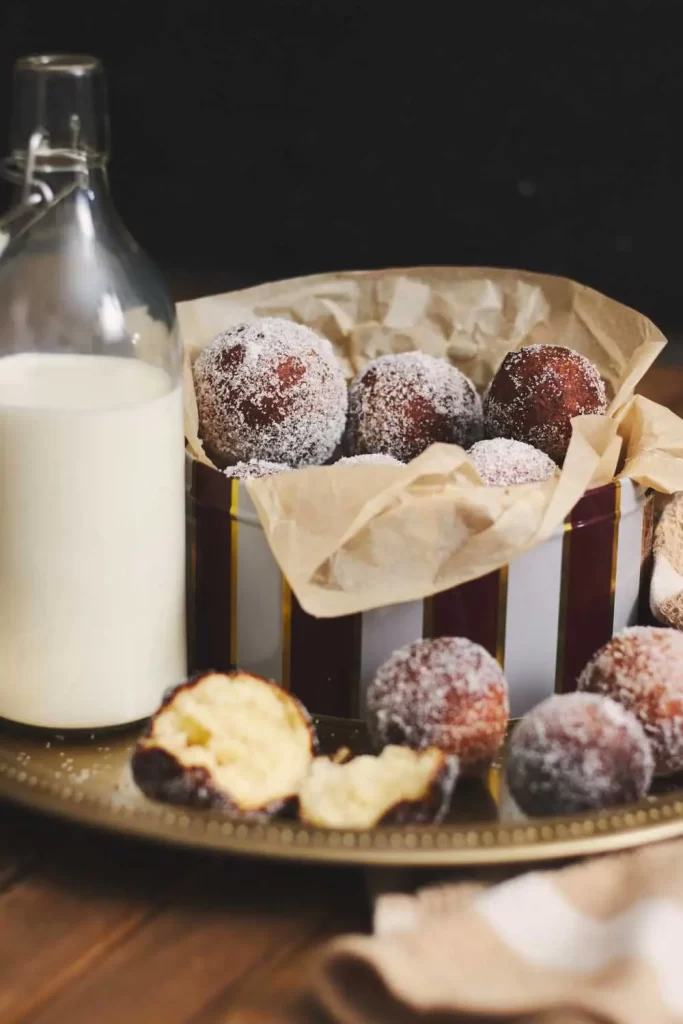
[[536, 392], [400, 404], [270, 390], [577, 752], [642, 669], [228, 741], [503, 462], [448, 693]]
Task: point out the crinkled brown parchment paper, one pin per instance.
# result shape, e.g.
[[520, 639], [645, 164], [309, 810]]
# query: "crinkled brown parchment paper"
[[350, 538]]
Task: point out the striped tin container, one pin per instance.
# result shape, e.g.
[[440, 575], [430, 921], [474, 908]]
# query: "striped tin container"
[[542, 616]]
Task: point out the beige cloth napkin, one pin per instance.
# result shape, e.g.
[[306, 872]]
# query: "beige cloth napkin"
[[601, 941], [666, 590]]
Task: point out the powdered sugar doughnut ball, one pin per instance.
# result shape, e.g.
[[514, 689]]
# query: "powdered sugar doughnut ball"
[[642, 669], [502, 462], [255, 469], [270, 390], [536, 392], [362, 460], [447, 693], [577, 752], [400, 404]]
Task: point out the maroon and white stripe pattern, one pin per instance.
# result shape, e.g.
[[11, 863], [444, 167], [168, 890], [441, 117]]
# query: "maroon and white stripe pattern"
[[542, 616], [562, 600]]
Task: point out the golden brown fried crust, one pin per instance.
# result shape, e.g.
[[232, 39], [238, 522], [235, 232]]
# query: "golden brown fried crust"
[[161, 776], [434, 805]]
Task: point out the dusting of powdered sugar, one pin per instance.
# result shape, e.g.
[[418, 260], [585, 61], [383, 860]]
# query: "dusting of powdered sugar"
[[578, 752], [502, 462], [375, 459], [642, 669], [400, 404], [271, 390], [446, 692], [255, 469], [536, 392]]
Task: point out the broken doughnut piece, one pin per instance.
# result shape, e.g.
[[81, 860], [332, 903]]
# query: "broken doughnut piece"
[[399, 786], [230, 741]]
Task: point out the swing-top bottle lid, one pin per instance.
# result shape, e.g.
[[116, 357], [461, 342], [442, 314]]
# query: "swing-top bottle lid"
[[62, 97]]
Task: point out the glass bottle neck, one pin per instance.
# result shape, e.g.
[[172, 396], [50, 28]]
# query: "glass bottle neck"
[[60, 132], [59, 120], [72, 280]]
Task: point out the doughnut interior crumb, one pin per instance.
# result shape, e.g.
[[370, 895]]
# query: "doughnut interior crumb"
[[357, 794], [249, 735]]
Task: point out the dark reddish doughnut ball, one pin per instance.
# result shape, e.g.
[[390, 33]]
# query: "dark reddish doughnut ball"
[[400, 404], [536, 392], [447, 693], [273, 391], [642, 669], [577, 752]]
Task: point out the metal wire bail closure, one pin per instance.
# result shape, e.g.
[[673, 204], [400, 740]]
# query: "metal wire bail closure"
[[37, 197], [33, 190]]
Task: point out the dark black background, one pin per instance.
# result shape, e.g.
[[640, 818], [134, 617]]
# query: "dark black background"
[[261, 140]]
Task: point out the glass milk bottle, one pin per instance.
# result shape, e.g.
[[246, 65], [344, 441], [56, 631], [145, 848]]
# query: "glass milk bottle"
[[92, 559]]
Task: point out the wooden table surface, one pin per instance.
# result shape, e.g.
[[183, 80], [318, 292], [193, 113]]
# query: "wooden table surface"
[[99, 930], [95, 929]]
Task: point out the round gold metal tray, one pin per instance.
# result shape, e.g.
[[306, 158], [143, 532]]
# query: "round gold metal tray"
[[88, 780]]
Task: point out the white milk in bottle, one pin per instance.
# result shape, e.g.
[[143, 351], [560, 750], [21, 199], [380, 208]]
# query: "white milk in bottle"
[[91, 529]]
